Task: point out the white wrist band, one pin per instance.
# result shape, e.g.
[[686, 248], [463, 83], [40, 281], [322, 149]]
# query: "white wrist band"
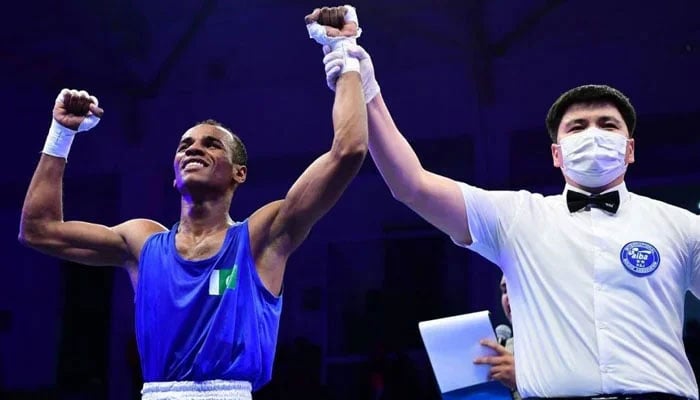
[[59, 140], [350, 63]]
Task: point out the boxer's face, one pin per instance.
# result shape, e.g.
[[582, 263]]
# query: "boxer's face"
[[204, 159]]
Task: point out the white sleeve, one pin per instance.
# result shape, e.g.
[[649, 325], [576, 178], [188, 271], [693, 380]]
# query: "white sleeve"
[[490, 214], [694, 262]]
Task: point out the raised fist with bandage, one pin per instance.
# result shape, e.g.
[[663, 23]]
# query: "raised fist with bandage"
[[338, 28], [335, 22], [74, 111]]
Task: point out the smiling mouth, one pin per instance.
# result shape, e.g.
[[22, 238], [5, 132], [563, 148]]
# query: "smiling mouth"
[[193, 165]]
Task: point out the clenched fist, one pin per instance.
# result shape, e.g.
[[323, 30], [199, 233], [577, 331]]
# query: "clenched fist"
[[73, 107], [333, 19]]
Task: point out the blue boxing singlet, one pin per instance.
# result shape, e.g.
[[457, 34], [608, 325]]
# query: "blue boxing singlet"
[[207, 319]]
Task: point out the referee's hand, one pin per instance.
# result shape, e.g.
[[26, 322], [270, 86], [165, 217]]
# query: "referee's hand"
[[502, 364]]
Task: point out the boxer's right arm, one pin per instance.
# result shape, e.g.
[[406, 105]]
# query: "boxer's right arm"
[[41, 224]]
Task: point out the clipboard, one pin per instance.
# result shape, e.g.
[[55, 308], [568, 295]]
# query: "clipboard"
[[452, 344]]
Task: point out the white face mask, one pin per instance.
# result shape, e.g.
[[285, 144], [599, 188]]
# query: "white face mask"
[[594, 157]]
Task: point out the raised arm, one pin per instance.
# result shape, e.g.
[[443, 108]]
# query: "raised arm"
[[321, 185], [434, 197], [279, 228], [41, 224]]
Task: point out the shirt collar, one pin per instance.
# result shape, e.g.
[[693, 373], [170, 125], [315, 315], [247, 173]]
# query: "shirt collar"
[[622, 188]]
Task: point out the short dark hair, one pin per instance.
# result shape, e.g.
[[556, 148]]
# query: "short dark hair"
[[239, 153], [590, 94]]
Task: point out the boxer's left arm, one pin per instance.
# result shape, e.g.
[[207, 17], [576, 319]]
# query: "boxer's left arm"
[[277, 229]]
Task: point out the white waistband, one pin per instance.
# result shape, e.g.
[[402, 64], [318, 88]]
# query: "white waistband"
[[204, 390]]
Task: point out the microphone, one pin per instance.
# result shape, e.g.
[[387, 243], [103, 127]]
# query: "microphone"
[[503, 333]]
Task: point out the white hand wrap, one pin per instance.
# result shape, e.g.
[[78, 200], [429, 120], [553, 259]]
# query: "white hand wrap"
[[318, 33], [60, 138], [334, 61]]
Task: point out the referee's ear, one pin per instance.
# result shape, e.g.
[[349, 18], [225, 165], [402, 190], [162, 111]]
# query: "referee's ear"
[[629, 155], [557, 160]]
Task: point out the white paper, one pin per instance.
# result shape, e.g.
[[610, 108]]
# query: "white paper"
[[452, 344]]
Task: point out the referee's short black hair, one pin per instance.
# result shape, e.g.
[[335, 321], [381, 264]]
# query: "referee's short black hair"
[[590, 94]]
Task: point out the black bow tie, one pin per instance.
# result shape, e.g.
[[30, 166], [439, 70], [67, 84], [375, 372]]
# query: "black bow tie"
[[609, 201]]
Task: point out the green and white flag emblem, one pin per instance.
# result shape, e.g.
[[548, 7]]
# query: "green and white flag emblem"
[[222, 279]]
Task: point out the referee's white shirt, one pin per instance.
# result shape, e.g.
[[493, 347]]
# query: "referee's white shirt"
[[585, 323]]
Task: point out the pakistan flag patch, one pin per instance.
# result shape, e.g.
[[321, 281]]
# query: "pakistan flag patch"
[[222, 279]]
